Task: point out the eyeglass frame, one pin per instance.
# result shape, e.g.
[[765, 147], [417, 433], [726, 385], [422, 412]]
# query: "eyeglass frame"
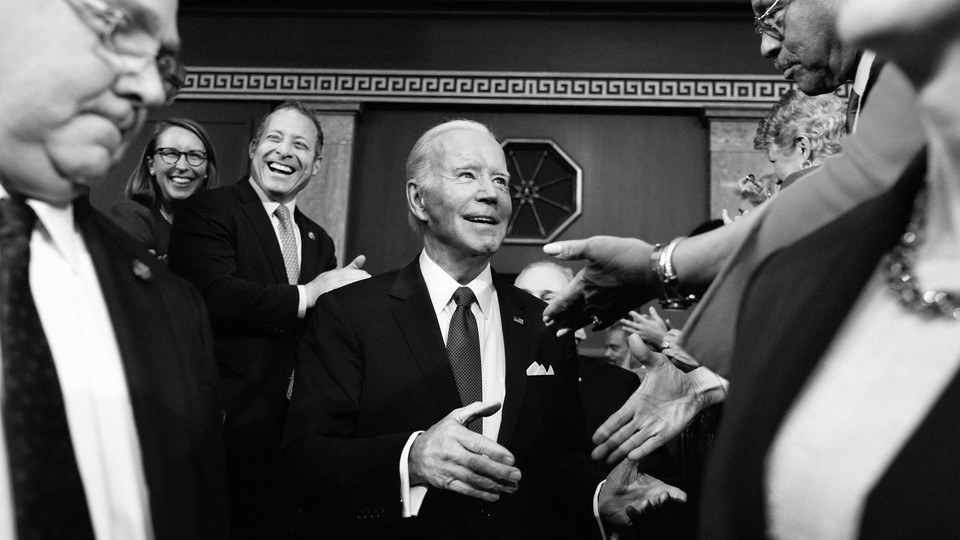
[[761, 26], [165, 151], [173, 73]]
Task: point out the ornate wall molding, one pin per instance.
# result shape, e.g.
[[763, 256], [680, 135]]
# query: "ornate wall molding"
[[500, 88]]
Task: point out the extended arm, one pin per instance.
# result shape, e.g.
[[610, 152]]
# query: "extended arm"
[[619, 276]]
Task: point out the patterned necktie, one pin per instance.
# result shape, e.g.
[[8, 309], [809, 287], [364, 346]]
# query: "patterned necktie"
[[463, 346], [47, 489], [288, 244]]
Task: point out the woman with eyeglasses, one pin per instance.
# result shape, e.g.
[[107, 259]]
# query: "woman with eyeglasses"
[[178, 161]]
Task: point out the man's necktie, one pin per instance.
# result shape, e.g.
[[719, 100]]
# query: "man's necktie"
[[47, 489], [463, 346], [288, 244]]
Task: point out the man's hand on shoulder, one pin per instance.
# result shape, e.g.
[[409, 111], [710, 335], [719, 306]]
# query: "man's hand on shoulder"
[[450, 456], [334, 279]]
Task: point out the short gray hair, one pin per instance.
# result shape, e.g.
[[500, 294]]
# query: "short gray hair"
[[421, 162], [567, 273]]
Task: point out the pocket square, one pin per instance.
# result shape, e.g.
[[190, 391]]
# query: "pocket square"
[[535, 369]]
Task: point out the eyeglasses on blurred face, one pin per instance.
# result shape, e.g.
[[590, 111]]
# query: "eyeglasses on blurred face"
[[130, 49]]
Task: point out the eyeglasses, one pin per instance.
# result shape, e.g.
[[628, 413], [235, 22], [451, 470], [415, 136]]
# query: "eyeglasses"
[[772, 29], [131, 50], [172, 155]]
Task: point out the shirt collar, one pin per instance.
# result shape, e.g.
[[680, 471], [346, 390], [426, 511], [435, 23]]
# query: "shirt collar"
[[862, 77], [441, 286], [269, 204], [56, 224]]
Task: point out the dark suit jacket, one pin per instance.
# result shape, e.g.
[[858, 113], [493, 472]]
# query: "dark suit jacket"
[[167, 350], [223, 242], [782, 341], [373, 369], [146, 225]]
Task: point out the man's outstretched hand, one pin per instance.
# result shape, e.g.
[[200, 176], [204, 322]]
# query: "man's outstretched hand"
[[628, 493], [663, 406], [450, 456], [616, 279]]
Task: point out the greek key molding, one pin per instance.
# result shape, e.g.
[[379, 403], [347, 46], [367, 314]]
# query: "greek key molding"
[[502, 88]]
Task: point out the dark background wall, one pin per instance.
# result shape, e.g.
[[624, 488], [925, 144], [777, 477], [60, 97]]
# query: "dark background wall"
[[646, 171]]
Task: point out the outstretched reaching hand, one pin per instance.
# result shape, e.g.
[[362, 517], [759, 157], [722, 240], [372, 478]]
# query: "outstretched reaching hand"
[[628, 492], [617, 278], [663, 406]]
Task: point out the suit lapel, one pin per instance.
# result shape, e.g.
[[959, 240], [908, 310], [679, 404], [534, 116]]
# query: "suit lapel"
[[516, 345], [260, 222], [418, 323], [309, 248]]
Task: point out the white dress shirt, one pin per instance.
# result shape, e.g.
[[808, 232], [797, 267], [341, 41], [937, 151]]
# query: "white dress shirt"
[[270, 206], [78, 328], [486, 310]]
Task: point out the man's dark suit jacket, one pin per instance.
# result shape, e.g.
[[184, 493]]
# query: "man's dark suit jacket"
[[782, 342], [165, 344], [373, 369], [224, 243]]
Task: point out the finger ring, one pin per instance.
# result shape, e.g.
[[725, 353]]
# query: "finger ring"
[[596, 320]]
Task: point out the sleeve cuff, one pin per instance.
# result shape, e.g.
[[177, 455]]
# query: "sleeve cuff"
[[596, 509], [709, 386], [302, 302], [410, 497]]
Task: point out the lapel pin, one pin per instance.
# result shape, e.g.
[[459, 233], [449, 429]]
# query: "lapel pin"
[[517, 320], [141, 270], [311, 236]]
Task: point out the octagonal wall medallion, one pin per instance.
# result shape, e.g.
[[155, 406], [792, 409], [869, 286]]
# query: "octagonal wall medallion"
[[546, 190]]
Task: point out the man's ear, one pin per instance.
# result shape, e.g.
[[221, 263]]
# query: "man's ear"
[[252, 148], [415, 200], [316, 165]]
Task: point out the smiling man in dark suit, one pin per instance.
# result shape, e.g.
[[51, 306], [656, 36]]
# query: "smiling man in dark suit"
[[392, 433], [260, 265]]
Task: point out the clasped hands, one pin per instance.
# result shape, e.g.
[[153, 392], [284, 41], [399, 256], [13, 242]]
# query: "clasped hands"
[[450, 456]]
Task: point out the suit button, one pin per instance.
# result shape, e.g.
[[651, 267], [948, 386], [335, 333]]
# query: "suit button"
[[485, 514]]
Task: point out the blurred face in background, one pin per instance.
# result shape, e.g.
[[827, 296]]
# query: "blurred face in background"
[[545, 282], [785, 162]]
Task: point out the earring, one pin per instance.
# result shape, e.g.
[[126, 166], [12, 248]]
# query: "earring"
[[806, 164]]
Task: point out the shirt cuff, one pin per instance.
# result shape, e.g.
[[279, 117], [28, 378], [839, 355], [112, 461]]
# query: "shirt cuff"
[[302, 302], [709, 386], [411, 497], [596, 509]]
